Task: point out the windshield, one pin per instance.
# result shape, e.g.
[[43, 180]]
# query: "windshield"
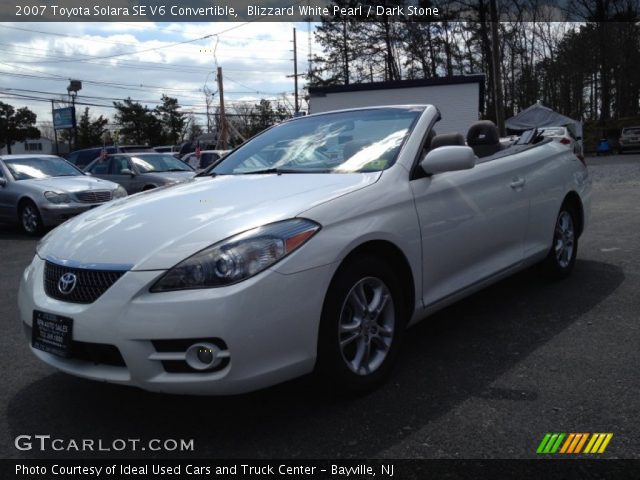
[[631, 131], [344, 142], [159, 162], [40, 167]]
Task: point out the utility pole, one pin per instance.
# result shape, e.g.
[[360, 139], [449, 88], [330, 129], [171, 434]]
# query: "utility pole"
[[222, 139], [55, 132], [295, 74], [295, 71], [495, 63]]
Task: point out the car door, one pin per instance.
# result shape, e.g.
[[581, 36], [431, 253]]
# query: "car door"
[[7, 200], [112, 171], [472, 224]]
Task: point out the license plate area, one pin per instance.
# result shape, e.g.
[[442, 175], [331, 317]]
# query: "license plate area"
[[52, 333]]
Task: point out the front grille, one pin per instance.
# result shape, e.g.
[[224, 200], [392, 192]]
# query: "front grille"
[[89, 284], [93, 196]]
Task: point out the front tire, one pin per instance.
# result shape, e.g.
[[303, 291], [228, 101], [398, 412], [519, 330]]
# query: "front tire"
[[562, 256], [363, 320], [30, 219]]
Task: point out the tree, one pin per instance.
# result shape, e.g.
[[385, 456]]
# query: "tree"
[[90, 132], [16, 125], [138, 124], [172, 119]]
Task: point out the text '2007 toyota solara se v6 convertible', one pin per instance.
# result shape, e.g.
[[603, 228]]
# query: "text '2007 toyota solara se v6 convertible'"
[[309, 248]]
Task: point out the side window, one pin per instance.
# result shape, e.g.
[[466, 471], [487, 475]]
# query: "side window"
[[118, 163], [207, 159], [101, 167], [85, 158], [73, 157]]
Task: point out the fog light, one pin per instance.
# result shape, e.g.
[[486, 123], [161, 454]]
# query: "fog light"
[[205, 356], [202, 356]]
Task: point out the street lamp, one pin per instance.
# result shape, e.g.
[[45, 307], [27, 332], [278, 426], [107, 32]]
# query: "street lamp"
[[72, 90]]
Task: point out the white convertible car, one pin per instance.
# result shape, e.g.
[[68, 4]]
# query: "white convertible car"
[[310, 248]]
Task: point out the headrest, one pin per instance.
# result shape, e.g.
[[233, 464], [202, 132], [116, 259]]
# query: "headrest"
[[483, 132], [447, 139]]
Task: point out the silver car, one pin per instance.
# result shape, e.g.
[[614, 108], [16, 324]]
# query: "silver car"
[[39, 191], [138, 172], [629, 139]]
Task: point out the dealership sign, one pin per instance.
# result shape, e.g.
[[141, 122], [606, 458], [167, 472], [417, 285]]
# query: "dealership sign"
[[64, 118]]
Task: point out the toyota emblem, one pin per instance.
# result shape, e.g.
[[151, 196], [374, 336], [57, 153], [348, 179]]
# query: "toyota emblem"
[[67, 283]]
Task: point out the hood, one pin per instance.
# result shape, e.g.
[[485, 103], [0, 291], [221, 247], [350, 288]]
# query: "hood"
[[80, 183], [154, 230]]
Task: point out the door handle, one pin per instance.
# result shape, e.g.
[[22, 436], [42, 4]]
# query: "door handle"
[[518, 182]]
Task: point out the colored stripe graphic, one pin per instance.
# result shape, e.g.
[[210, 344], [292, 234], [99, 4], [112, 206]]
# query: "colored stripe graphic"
[[573, 443], [550, 443], [598, 442]]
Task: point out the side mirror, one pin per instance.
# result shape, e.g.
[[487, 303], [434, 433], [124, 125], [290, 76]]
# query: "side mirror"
[[88, 174], [448, 158], [127, 171], [3, 182]]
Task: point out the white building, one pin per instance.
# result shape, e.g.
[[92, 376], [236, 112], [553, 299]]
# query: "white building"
[[41, 145], [460, 99]]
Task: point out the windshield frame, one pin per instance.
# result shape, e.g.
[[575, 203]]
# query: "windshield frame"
[[403, 135]]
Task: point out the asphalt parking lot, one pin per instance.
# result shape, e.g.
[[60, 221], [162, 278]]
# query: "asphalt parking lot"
[[485, 378]]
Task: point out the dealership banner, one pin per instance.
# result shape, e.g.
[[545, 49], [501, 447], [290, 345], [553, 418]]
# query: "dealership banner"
[[287, 11], [317, 469]]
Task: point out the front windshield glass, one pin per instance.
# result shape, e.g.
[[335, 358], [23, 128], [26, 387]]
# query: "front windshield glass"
[[26, 168], [344, 142], [159, 162]]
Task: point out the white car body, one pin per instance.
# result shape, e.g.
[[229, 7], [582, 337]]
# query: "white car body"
[[458, 231]]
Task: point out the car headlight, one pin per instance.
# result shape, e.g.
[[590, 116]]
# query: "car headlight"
[[239, 257], [119, 192], [55, 197]]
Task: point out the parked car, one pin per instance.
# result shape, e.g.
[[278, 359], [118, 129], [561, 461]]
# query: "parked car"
[[564, 136], [206, 159], [310, 247], [137, 172], [82, 158], [165, 149], [39, 191], [629, 139], [190, 147]]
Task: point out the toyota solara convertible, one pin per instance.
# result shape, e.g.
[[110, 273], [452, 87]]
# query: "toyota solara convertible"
[[310, 248]]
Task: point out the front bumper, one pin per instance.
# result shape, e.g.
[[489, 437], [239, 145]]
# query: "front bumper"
[[269, 324], [53, 214]]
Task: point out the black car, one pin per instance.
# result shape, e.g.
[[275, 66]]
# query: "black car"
[[82, 158]]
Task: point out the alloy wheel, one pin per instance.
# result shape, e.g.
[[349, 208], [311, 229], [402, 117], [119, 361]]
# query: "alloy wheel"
[[366, 326]]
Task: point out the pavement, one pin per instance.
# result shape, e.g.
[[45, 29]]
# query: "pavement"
[[485, 378]]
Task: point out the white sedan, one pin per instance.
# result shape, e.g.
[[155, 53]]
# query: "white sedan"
[[310, 248]]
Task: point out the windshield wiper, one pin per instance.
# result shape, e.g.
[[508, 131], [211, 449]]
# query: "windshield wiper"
[[280, 171]]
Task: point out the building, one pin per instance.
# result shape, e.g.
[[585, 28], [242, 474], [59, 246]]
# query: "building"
[[40, 145], [460, 99]]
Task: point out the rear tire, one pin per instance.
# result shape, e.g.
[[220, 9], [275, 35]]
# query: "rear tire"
[[562, 255], [362, 325], [30, 218]]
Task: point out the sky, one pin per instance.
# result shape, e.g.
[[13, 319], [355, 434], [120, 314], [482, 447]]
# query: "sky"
[[38, 59]]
